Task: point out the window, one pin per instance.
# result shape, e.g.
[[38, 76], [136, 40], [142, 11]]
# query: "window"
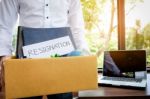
[[137, 25], [107, 31], [101, 26]]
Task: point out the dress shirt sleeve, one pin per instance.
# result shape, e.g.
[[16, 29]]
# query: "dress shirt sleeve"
[[76, 22], [8, 18]]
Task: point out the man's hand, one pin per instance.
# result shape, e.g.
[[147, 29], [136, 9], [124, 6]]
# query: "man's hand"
[[2, 58]]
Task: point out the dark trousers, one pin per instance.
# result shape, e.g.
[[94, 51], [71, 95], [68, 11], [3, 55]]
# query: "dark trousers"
[[56, 96]]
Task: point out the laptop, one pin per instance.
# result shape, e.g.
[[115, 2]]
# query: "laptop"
[[124, 68]]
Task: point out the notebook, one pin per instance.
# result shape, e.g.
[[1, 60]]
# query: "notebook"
[[124, 68]]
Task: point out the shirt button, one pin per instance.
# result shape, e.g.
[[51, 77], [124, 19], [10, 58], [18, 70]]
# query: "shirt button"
[[46, 4], [47, 17]]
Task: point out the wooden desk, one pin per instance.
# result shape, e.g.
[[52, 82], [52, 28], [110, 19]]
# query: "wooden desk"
[[116, 93], [112, 93]]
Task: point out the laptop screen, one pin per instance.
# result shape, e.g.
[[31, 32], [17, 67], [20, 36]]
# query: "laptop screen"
[[124, 63]]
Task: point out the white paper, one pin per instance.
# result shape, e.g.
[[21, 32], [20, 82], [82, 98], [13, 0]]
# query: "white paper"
[[45, 49], [140, 74]]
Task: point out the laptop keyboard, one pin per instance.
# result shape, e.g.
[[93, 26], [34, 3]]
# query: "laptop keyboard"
[[122, 79]]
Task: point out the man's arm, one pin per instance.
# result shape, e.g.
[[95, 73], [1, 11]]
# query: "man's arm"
[[76, 22], [8, 18]]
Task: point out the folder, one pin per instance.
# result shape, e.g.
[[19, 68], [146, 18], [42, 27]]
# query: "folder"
[[27, 36]]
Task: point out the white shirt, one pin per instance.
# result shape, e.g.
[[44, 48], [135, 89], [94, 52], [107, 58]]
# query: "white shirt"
[[40, 14]]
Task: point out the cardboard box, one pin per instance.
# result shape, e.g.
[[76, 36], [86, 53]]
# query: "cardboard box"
[[35, 77]]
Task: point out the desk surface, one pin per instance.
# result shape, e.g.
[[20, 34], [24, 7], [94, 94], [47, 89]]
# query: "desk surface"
[[116, 93], [112, 93]]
